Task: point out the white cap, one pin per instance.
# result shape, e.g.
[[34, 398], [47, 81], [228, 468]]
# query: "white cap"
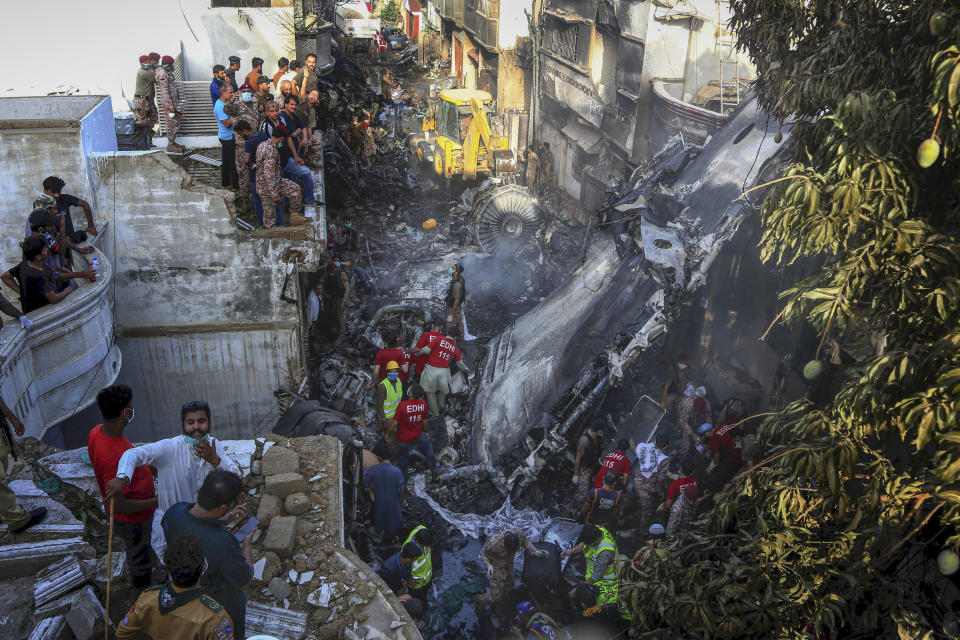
[[706, 426]]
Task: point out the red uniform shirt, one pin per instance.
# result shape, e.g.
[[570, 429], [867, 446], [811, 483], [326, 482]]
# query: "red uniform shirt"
[[410, 416], [105, 454], [615, 461], [723, 444], [426, 340], [686, 487], [442, 352], [386, 355]]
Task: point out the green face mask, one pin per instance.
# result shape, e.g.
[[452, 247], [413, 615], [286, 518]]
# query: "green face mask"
[[194, 441]]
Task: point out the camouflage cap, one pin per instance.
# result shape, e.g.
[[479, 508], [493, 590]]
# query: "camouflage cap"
[[44, 201]]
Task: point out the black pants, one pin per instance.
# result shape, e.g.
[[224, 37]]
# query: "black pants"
[[136, 538], [228, 164]]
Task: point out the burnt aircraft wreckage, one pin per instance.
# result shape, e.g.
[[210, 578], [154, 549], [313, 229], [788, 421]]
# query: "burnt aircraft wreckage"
[[543, 376]]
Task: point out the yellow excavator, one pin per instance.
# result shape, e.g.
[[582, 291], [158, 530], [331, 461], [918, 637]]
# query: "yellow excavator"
[[458, 140]]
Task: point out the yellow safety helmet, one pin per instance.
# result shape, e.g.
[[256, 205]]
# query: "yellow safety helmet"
[[393, 365]]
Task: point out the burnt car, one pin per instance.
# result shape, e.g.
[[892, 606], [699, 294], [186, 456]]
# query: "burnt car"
[[396, 39]]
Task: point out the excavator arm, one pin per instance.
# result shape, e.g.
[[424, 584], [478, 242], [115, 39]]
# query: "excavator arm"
[[498, 160]]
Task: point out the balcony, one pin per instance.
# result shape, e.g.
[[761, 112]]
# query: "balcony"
[[481, 18], [56, 369]]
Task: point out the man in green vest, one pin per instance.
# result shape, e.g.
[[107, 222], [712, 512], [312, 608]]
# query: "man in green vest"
[[599, 606], [600, 550], [388, 396], [421, 570]]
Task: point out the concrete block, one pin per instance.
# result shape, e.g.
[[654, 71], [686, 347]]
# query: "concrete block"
[[270, 507], [19, 560], [283, 484], [281, 536], [54, 628], [282, 624], [61, 605], [297, 504], [96, 570], [57, 579], [280, 460], [86, 617]]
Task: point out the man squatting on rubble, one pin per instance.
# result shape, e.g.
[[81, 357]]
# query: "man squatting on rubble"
[[498, 553]]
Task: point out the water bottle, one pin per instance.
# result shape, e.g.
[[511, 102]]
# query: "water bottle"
[[94, 263]]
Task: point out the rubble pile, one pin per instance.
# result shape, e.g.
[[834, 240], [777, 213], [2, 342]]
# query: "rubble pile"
[[306, 586]]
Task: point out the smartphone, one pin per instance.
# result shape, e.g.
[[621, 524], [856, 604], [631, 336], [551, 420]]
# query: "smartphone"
[[243, 530]]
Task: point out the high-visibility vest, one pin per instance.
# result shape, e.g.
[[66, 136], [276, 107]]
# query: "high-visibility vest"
[[421, 569], [609, 594], [607, 543], [394, 396]]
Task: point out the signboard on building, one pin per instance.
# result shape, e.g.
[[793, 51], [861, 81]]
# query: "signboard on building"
[[572, 89]]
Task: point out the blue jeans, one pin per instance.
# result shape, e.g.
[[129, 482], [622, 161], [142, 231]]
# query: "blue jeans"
[[292, 171], [421, 444], [258, 203]]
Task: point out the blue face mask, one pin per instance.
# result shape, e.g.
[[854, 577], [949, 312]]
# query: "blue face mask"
[[194, 441], [336, 263], [246, 97], [450, 271], [347, 225], [393, 377]]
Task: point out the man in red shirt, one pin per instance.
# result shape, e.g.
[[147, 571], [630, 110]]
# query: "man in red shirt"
[[426, 340], [134, 507], [615, 461], [412, 417], [681, 496], [436, 374], [727, 455], [393, 353]]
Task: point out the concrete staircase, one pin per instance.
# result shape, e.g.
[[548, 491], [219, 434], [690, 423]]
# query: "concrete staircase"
[[196, 106]]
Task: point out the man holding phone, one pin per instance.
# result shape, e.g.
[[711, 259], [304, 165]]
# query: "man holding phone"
[[182, 462]]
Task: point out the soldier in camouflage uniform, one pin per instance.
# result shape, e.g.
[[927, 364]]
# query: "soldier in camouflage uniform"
[[271, 185], [693, 411], [312, 143], [369, 144], [262, 97], [168, 93], [498, 553], [143, 100], [650, 477], [242, 109]]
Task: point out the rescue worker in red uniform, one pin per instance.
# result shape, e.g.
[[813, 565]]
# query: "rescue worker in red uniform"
[[615, 461], [426, 339], [411, 418], [436, 374], [393, 353]]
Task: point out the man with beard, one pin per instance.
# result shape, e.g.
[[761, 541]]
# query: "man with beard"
[[182, 462]]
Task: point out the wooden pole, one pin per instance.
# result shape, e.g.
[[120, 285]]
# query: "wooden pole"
[[106, 621]]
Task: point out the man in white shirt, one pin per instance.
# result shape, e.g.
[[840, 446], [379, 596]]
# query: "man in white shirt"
[[182, 462]]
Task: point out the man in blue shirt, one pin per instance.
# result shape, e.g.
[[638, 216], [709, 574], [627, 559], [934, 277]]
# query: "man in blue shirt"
[[395, 570], [218, 75], [228, 162], [251, 140], [386, 482], [229, 563], [295, 166]]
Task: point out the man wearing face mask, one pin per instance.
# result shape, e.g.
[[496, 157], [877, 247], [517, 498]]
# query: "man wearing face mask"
[[242, 110], [456, 294], [143, 99], [134, 505], [209, 516], [385, 401], [182, 462]]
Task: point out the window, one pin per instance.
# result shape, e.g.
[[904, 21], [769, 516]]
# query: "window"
[[565, 41]]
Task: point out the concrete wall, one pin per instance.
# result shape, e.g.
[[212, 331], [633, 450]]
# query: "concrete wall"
[[197, 301], [92, 46], [235, 371]]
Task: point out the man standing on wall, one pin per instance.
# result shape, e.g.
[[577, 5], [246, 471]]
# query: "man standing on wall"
[[169, 95], [228, 168], [254, 74], [231, 71], [143, 99], [53, 187], [306, 79]]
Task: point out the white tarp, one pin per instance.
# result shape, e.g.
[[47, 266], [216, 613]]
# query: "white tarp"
[[532, 524]]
